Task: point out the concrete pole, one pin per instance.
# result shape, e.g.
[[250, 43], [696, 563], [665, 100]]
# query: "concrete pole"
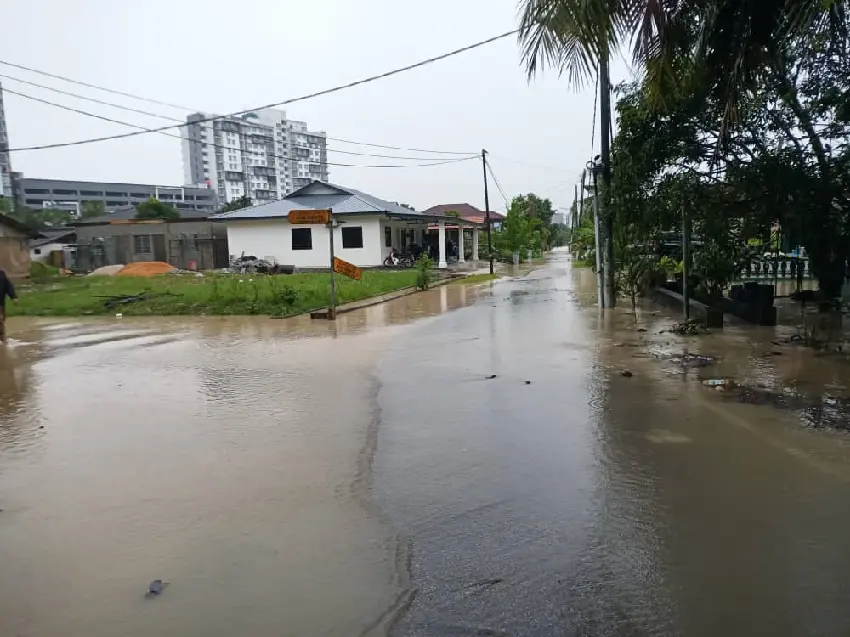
[[441, 244], [475, 232], [460, 257]]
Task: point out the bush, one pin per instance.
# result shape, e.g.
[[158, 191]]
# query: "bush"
[[39, 270], [424, 272]]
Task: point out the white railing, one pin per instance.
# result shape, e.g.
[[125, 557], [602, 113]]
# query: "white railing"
[[784, 268]]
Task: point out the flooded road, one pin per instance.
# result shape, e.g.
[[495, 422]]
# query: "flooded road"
[[228, 457], [545, 493], [467, 461]]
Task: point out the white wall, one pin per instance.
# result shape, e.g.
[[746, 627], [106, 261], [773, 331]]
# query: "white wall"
[[273, 238], [45, 251]]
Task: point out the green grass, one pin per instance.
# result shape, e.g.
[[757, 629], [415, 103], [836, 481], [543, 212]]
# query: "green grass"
[[476, 278], [223, 294]]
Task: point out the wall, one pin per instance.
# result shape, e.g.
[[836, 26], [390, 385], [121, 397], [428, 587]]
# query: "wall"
[[14, 252], [44, 251], [273, 238], [117, 241]]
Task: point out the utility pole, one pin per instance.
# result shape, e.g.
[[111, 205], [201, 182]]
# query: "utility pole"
[[606, 220], [487, 210], [600, 285], [686, 261]]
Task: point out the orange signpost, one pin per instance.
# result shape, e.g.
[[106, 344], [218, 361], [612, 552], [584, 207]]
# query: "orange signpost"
[[348, 269], [309, 217]]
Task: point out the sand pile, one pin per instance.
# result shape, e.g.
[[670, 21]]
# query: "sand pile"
[[147, 268], [107, 270]]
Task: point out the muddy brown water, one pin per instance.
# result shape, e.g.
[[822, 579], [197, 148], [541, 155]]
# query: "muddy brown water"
[[229, 457], [304, 478]]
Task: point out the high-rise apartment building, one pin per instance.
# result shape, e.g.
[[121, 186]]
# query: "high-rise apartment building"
[[260, 154], [5, 161]]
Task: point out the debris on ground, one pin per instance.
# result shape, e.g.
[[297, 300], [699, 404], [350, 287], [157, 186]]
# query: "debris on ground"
[[111, 302], [155, 587], [694, 327], [693, 360], [107, 270], [641, 329], [146, 268], [720, 384]]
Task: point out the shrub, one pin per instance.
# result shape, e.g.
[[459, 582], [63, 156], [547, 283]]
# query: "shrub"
[[424, 272]]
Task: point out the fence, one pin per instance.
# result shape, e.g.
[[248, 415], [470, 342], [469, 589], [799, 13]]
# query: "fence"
[[185, 253], [782, 268]]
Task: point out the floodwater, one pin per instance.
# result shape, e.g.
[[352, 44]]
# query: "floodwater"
[[587, 502], [466, 461], [228, 457]]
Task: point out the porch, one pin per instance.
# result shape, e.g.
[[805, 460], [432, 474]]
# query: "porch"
[[444, 241]]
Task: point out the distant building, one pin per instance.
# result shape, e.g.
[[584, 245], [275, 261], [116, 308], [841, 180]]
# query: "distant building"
[[466, 212], [73, 195], [61, 240], [14, 246], [5, 161], [192, 241], [261, 155]]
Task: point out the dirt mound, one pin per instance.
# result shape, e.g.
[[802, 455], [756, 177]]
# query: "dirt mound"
[[147, 268], [107, 270]]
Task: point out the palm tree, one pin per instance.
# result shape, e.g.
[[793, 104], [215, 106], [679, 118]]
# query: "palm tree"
[[728, 45]]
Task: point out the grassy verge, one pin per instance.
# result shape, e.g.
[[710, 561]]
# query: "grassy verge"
[[475, 278], [212, 294]]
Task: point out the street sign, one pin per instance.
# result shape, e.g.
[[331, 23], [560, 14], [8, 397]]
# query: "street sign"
[[309, 216], [348, 269]]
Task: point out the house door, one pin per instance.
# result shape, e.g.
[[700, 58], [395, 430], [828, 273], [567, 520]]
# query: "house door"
[[159, 253]]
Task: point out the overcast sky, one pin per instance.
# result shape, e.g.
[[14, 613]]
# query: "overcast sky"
[[223, 56]]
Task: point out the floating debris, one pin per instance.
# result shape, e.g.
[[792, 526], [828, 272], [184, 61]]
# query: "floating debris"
[[694, 327], [156, 587], [490, 377], [693, 360], [626, 373]]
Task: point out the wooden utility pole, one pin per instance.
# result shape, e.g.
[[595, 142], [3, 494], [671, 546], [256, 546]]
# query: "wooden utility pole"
[[487, 210], [606, 220], [686, 261]]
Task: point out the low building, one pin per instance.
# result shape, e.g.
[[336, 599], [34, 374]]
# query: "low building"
[[369, 227], [191, 242], [466, 212], [74, 195], [14, 247], [61, 241]]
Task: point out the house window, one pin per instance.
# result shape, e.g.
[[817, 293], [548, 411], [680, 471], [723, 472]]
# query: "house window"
[[302, 238], [141, 244], [352, 237], [388, 237], [37, 250]]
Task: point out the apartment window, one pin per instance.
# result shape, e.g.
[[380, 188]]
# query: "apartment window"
[[388, 237], [352, 237], [116, 203], [63, 191], [141, 244], [91, 193], [139, 195], [37, 191], [302, 238]]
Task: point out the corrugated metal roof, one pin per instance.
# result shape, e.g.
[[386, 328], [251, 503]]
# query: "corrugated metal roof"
[[128, 213], [341, 199], [277, 208]]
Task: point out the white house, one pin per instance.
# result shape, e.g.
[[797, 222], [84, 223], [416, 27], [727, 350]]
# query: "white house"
[[59, 240], [366, 228]]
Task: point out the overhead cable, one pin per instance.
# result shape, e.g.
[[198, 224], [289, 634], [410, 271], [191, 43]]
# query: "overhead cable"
[[302, 98]]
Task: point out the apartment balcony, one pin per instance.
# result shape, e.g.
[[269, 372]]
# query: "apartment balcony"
[[228, 127], [232, 175], [264, 171], [265, 194]]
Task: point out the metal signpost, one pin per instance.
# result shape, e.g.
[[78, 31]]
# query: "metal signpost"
[[330, 226]]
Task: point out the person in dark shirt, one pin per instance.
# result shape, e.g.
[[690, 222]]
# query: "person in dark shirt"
[[6, 289]]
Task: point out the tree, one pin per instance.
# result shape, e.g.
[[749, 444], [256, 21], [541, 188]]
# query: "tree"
[[237, 204], [518, 231], [155, 209], [35, 219], [93, 209]]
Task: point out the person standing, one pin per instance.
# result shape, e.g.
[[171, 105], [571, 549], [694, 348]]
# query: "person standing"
[[7, 289]]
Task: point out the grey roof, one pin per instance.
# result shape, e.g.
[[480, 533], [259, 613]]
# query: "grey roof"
[[128, 213], [341, 199], [277, 208], [55, 236]]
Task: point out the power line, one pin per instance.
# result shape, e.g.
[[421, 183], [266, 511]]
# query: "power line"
[[498, 186], [214, 145], [173, 119], [302, 98]]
